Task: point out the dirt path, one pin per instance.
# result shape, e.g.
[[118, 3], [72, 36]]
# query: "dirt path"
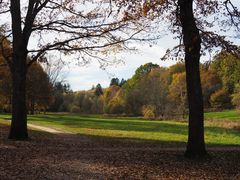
[[46, 129]]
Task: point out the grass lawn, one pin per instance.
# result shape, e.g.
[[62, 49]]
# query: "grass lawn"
[[221, 128], [231, 115]]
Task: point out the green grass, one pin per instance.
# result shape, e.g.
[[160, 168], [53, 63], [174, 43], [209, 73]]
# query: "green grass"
[[232, 115], [216, 132]]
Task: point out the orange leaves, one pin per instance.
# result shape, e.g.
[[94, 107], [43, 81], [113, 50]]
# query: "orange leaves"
[[145, 8], [153, 6]]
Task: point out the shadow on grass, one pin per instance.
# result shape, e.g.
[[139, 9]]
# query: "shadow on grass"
[[98, 141], [142, 127], [115, 143]]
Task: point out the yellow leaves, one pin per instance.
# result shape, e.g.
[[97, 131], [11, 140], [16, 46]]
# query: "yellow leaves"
[[178, 86], [149, 111], [7, 50]]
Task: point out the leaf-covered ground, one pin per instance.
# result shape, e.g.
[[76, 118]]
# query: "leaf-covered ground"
[[49, 156]]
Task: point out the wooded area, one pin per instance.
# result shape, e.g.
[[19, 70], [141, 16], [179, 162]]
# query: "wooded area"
[[153, 92], [157, 92]]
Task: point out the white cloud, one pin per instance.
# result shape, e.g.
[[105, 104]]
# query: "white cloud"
[[84, 77]]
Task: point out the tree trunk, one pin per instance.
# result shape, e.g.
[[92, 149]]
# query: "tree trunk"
[[18, 68], [18, 129], [192, 43]]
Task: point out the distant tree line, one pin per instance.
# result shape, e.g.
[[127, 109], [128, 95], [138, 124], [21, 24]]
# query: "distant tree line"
[[157, 92], [153, 91]]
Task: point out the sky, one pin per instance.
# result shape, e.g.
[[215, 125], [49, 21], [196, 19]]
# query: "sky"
[[84, 77]]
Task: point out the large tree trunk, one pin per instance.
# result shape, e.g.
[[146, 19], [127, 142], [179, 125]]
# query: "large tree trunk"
[[19, 70], [192, 43], [19, 111]]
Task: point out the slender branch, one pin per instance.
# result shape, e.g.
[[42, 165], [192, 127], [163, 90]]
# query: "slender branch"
[[62, 46], [64, 23], [66, 9], [234, 13]]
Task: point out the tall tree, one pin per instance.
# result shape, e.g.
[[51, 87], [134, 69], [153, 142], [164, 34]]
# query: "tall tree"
[[145, 69], [39, 89], [59, 90], [98, 91], [177, 92], [227, 66], [114, 82], [192, 44], [211, 82], [191, 21], [41, 26]]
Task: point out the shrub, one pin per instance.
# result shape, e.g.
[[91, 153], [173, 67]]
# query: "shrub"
[[149, 111], [236, 97]]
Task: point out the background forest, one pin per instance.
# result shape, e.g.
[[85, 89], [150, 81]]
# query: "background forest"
[[153, 91]]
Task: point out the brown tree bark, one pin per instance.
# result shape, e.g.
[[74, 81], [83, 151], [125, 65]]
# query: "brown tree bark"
[[19, 111], [18, 70], [192, 43]]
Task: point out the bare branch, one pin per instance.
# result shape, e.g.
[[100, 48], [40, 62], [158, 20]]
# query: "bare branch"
[[234, 13], [212, 40]]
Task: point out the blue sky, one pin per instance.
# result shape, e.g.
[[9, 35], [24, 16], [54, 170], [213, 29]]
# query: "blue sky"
[[83, 77]]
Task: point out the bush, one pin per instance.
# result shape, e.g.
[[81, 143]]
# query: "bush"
[[220, 100], [75, 109], [149, 111]]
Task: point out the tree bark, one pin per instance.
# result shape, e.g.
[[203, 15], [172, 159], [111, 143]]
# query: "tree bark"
[[192, 43], [19, 111], [18, 68]]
